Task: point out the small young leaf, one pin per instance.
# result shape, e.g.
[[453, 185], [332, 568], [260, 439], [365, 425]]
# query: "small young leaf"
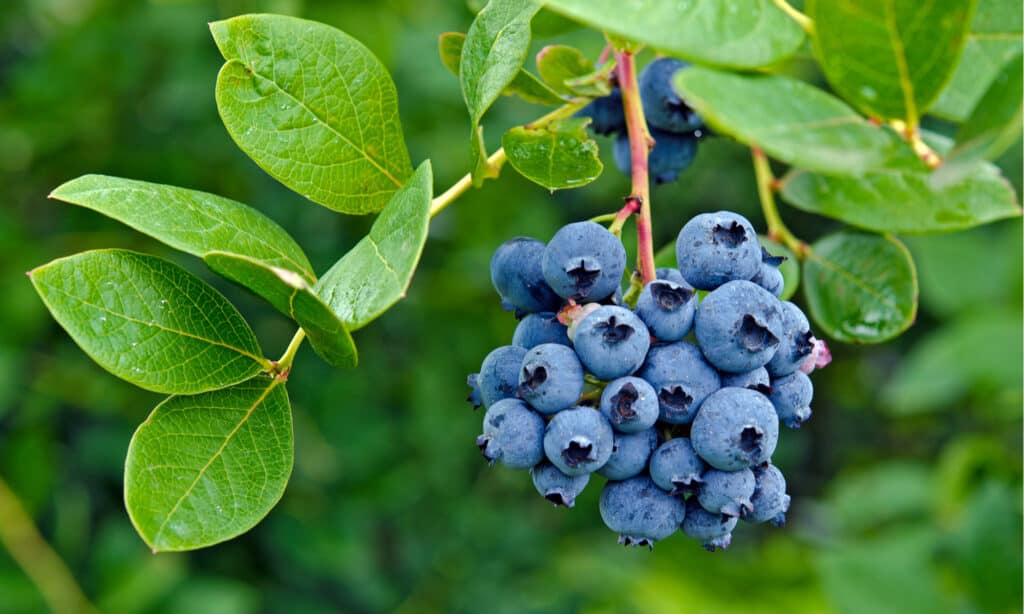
[[904, 201], [558, 64], [375, 274], [792, 121], [290, 294], [449, 46], [524, 85], [995, 37], [890, 59], [734, 34], [993, 126], [493, 54], [790, 267], [860, 288], [206, 468], [560, 155], [314, 108], [149, 322]]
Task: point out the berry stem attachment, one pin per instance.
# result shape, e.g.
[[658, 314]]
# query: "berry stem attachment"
[[801, 19], [619, 219], [766, 185], [640, 144]]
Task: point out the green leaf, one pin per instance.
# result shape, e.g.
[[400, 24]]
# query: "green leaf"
[[994, 125], [559, 64], [493, 54], [735, 34], [524, 85], [995, 37], [206, 468], [792, 121], [904, 201], [449, 46], [149, 321], [313, 108], [790, 267], [559, 155], [375, 274], [890, 58], [293, 296], [861, 288]]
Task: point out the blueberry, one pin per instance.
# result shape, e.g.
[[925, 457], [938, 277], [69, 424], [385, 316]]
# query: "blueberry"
[[513, 435], [584, 262], [667, 308], [663, 107], [714, 248], [736, 428], [557, 487], [672, 275], [682, 378], [675, 467], [672, 154], [611, 342], [791, 396], [640, 512], [550, 378], [474, 393], [712, 530], [499, 375], [727, 492], [630, 404], [795, 343], [757, 379], [606, 113], [518, 277], [768, 275], [539, 328], [630, 453], [739, 326], [578, 441], [770, 501]]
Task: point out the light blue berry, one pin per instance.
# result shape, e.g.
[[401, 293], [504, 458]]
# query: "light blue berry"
[[736, 428], [676, 468], [630, 404], [630, 453], [555, 486], [499, 375], [518, 277], [611, 342], [584, 262], [757, 379], [791, 396], [739, 326], [551, 378], [639, 511], [539, 328], [712, 530], [795, 341], [513, 435], [663, 107], [578, 441], [770, 501], [727, 492], [715, 248], [667, 308], [682, 379]]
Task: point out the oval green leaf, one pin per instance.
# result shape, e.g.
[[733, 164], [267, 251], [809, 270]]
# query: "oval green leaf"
[[890, 59], [904, 201], [149, 321], [293, 296], [559, 64], [524, 85], [206, 468], [860, 288], [557, 156], [790, 267], [734, 34], [792, 121], [375, 274], [312, 107]]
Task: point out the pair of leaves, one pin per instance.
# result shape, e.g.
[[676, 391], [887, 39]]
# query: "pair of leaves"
[[524, 84]]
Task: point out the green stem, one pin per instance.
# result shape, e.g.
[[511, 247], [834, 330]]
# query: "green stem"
[[604, 218], [35, 557], [640, 144], [284, 364], [804, 21], [777, 230]]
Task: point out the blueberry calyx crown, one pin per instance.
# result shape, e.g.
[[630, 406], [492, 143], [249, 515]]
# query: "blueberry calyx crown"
[[774, 261], [669, 296], [532, 379], [755, 336], [750, 441], [730, 235], [804, 344], [584, 278], [579, 451], [675, 397], [614, 332], [623, 401]]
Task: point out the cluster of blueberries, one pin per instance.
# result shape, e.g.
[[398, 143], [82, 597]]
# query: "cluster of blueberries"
[[673, 125], [683, 430]]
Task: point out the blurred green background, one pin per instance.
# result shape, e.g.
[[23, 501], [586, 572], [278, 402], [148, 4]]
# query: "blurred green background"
[[906, 485]]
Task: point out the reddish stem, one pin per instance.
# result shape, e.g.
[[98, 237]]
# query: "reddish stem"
[[640, 144]]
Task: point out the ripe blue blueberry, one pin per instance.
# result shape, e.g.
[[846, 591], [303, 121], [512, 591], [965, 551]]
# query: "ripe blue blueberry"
[[584, 262], [676, 468], [672, 154], [513, 435], [611, 342], [739, 326], [663, 107], [667, 308], [682, 378], [499, 375], [474, 393], [736, 428], [606, 114], [791, 396], [539, 328], [557, 487], [640, 512], [727, 492], [757, 379], [517, 276], [578, 441], [795, 343], [768, 275], [630, 404], [715, 248], [770, 501], [550, 378], [712, 530], [630, 453]]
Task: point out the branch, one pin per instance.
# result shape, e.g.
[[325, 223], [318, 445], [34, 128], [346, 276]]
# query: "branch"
[[777, 231], [640, 144]]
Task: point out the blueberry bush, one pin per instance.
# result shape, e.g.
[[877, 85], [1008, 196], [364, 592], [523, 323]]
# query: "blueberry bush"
[[878, 124]]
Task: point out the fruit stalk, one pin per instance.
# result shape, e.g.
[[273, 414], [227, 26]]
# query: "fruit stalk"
[[640, 144], [777, 230]]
